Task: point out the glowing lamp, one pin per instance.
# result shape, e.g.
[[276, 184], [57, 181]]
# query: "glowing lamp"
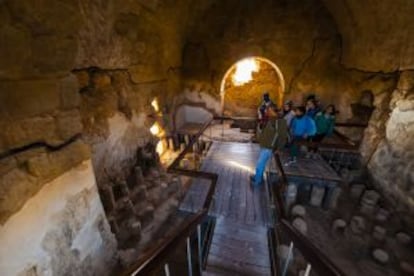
[[160, 148], [155, 129], [155, 105]]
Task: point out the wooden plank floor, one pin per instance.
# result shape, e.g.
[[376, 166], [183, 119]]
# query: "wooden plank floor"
[[238, 249], [239, 245], [234, 199]]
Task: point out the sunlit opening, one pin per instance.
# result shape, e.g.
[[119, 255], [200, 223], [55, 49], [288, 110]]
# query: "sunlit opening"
[[155, 129], [155, 105], [244, 70]]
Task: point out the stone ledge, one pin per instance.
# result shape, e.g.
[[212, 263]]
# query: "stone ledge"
[[28, 171]]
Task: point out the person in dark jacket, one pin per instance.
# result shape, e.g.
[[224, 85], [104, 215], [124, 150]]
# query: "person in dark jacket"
[[312, 108], [273, 137], [301, 128], [325, 124], [261, 112]]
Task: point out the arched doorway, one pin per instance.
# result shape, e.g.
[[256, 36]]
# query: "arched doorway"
[[244, 83]]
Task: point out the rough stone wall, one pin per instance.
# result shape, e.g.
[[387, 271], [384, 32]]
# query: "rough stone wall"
[[376, 35], [62, 230], [388, 147], [52, 121]]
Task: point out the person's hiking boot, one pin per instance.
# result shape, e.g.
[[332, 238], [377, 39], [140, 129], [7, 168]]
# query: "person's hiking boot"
[[253, 183]]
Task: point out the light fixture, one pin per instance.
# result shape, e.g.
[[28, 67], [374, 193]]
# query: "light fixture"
[[244, 70], [155, 129], [155, 105], [160, 148]]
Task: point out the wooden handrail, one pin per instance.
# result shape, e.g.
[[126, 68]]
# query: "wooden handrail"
[[156, 255], [319, 261]]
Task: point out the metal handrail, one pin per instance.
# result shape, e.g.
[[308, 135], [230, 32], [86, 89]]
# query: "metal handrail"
[[320, 262], [156, 255]]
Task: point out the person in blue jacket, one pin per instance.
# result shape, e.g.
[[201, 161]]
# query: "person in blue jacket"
[[302, 127], [325, 124]]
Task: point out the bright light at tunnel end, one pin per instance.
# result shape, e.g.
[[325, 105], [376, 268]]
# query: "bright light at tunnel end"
[[244, 71]]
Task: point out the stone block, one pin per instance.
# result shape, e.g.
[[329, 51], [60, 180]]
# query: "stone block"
[[139, 194], [382, 215], [357, 225], [16, 186], [403, 238], [7, 164], [298, 211], [63, 49], [407, 267], [380, 256], [379, 233], [68, 124], [146, 73], [370, 197], [339, 225], [146, 216], [317, 196], [50, 165], [300, 224], [14, 51], [27, 131], [334, 197], [69, 92], [24, 99]]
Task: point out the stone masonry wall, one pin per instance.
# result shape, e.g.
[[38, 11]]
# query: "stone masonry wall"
[[52, 120]]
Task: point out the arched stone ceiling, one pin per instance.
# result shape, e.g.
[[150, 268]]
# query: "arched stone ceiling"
[[376, 35]]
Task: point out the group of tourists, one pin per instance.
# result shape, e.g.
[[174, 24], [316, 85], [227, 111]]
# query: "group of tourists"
[[288, 127]]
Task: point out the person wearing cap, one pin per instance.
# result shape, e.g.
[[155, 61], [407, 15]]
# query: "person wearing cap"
[[261, 112], [273, 137]]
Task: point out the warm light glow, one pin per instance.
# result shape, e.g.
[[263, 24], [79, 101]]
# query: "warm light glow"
[[155, 105], [155, 129], [244, 70], [160, 148]]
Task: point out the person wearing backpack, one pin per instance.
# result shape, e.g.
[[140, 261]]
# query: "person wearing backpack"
[[272, 137]]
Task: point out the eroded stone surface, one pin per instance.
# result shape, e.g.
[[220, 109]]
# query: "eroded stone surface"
[[68, 231]]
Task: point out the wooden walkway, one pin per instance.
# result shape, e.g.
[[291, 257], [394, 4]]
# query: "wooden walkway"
[[239, 245]]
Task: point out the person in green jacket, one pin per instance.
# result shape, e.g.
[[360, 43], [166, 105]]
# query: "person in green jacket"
[[271, 138], [325, 124]]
